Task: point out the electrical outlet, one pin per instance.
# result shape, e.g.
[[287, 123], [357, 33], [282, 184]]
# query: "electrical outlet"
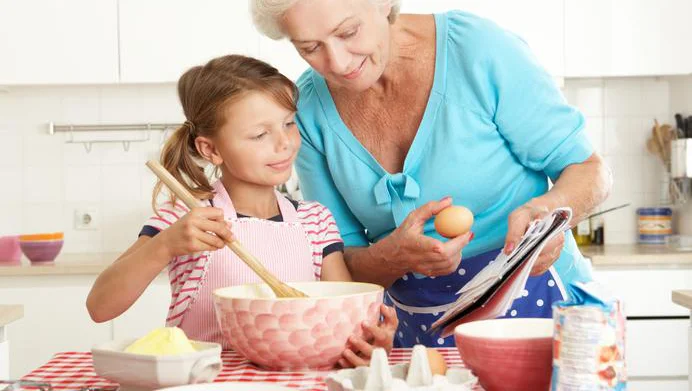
[[86, 219]]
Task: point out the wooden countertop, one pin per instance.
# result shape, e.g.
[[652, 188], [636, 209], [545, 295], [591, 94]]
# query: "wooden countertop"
[[10, 313], [626, 255], [65, 264], [683, 298], [636, 255]]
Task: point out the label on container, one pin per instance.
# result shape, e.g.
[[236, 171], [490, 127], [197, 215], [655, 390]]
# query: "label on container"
[[588, 348], [655, 225]]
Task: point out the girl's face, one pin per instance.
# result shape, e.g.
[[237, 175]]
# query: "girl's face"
[[258, 143], [347, 42]]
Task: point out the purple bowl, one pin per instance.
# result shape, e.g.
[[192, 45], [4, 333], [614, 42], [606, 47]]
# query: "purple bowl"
[[41, 251]]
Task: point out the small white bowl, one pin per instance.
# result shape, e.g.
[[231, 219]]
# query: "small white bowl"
[[145, 372]]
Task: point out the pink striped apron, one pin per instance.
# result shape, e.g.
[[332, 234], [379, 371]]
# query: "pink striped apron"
[[283, 247]]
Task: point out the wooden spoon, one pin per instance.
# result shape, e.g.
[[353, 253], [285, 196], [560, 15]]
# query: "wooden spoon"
[[280, 288]]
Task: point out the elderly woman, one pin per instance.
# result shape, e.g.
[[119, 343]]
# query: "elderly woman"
[[403, 115]]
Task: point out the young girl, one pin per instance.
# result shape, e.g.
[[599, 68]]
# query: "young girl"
[[240, 118]]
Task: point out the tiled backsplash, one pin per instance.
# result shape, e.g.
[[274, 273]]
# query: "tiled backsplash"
[[45, 178], [620, 114]]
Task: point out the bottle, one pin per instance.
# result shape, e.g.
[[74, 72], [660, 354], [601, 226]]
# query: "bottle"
[[597, 231], [582, 233]]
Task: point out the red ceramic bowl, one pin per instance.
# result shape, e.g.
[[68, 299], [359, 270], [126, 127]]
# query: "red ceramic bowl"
[[508, 354], [42, 251]]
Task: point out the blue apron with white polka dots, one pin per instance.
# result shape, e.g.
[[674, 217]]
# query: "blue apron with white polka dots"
[[421, 300]]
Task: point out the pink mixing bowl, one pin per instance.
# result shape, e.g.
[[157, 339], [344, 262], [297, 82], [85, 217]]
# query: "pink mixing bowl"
[[291, 334], [508, 354]]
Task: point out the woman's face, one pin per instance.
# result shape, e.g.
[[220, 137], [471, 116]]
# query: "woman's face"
[[346, 41]]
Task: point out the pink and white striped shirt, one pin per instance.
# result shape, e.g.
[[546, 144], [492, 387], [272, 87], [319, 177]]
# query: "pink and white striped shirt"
[[187, 271]]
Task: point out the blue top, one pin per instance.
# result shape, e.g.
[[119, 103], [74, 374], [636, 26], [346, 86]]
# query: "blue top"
[[495, 128]]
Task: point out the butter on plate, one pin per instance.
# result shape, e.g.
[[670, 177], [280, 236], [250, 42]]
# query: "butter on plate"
[[161, 342]]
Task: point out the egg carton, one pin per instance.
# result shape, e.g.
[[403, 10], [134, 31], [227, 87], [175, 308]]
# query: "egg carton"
[[416, 375]]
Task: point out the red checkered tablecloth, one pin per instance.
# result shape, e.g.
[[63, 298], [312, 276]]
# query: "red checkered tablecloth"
[[74, 370]]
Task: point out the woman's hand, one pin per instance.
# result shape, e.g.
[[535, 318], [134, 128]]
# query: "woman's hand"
[[408, 249], [519, 221], [359, 350], [201, 229]]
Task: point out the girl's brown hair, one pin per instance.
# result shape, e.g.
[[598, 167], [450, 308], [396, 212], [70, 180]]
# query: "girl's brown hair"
[[205, 92]]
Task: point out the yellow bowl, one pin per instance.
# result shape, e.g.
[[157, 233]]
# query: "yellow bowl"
[[41, 237]]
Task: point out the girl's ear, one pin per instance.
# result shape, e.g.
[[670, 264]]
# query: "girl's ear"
[[205, 147]]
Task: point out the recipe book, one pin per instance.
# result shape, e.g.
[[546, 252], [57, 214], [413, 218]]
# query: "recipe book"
[[492, 291]]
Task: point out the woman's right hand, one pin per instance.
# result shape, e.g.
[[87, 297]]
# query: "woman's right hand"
[[201, 229], [408, 249]]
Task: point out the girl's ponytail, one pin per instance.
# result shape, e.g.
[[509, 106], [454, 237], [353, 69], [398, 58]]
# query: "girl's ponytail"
[[180, 157]]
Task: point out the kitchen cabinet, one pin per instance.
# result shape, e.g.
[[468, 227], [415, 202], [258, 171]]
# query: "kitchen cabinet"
[[56, 320], [8, 314], [683, 298], [652, 385], [627, 37], [147, 313], [4, 354], [160, 39], [58, 42], [283, 56], [657, 329], [539, 22]]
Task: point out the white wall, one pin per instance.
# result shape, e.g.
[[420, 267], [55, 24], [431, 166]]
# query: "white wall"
[[45, 179], [620, 114]]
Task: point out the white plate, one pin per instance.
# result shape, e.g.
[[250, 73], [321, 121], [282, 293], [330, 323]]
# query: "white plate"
[[229, 386]]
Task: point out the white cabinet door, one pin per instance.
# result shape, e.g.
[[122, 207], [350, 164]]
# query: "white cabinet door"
[[627, 37], [55, 319], [539, 22], [161, 39], [657, 348], [147, 313], [657, 385], [655, 299], [58, 42], [282, 55]]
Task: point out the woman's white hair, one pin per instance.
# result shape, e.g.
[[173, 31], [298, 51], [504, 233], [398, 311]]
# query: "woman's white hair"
[[266, 14]]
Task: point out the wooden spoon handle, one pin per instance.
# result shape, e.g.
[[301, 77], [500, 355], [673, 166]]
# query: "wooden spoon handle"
[[280, 288]]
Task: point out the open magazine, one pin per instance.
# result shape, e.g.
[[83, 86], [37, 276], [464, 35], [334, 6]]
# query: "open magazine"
[[492, 291]]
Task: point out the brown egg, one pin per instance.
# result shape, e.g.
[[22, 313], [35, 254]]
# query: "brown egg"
[[453, 221], [438, 365]]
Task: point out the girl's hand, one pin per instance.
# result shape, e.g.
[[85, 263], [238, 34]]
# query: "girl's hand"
[[519, 221], [360, 349], [201, 229], [409, 250]]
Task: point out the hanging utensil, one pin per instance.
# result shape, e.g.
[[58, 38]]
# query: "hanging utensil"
[[280, 288], [680, 123]]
